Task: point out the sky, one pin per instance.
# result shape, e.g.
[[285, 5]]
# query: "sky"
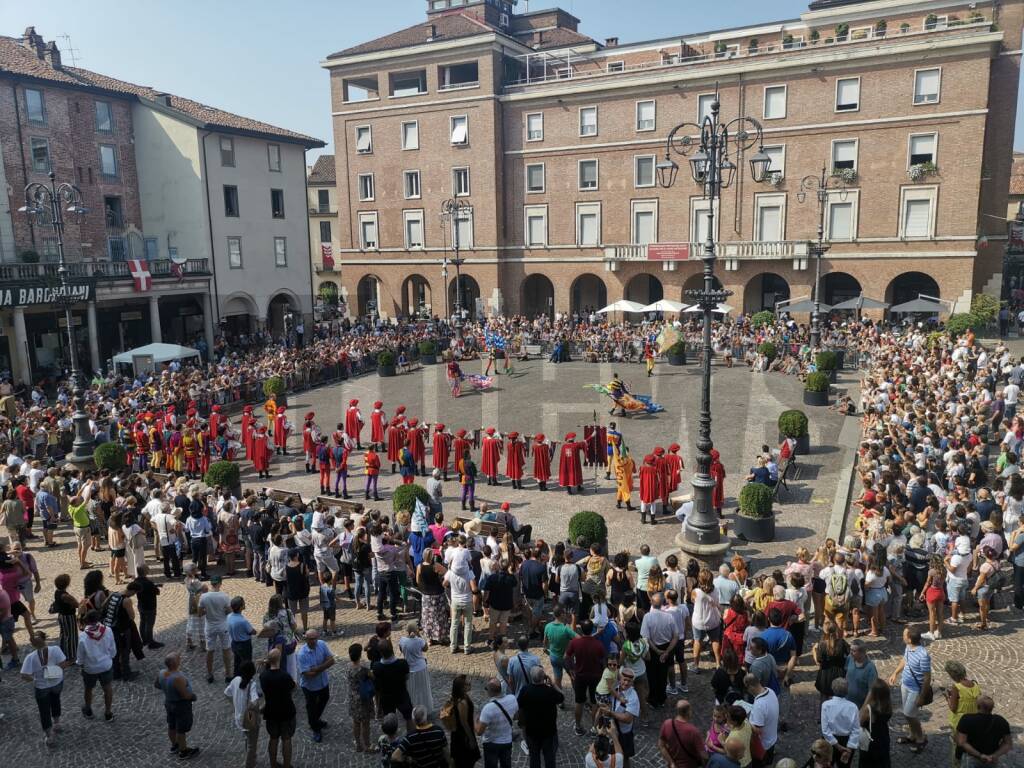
[[260, 58]]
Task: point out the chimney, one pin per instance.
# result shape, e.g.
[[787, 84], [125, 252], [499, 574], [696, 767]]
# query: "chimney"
[[611, 42], [540, 38], [163, 98], [53, 54], [33, 41]]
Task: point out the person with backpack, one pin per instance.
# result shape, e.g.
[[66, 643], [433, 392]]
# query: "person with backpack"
[[841, 583]]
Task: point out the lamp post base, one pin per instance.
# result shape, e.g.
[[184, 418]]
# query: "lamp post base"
[[708, 555]]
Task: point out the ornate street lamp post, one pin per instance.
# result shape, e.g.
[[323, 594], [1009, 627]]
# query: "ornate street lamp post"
[[47, 204], [710, 148], [453, 209], [822, 187]]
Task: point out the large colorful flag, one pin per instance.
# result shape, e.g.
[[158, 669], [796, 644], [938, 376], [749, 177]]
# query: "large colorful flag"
[[139, 270]]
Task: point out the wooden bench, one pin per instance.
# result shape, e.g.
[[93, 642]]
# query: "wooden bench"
[[280, 495], [487, 527], [350, 508], [162, 477]]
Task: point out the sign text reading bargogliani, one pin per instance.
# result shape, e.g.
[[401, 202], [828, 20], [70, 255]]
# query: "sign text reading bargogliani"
[[36, 295]]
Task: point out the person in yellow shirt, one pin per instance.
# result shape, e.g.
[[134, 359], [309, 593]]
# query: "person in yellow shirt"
[[270, 408], [625, 470], [962, 699]]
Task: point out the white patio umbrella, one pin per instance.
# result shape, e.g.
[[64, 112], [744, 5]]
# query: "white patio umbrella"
[[721, 309], [665, 305], [623, 305]]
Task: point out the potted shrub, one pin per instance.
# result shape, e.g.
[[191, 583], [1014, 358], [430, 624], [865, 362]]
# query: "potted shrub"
[[677, 353], [225, 474], [110, 456], [275, 387], [816, 389], [904, 28], [921, 170], [755, 520], [720, 48], [752, 46], [827, 362], [29, 256], [762, 318], [590, 525], [793, 424], [880, 27], [842, 32], [386, 363], [815, 36], [767, 349], [931, 21], [787, 41], [848, 175], [405, 496], [428, 352], [976, 17]]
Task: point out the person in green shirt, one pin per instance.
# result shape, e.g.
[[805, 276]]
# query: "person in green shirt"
[[556, 637], [78, 510]]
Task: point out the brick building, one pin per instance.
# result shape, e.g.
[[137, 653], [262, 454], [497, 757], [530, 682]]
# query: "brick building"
[[212, 201], [552, 139]]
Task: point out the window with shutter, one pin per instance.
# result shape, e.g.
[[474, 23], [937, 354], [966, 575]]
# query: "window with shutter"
[[844, 155], [645, 112], [775, 102], [769, 223], [588, 121], [364, 140], [535, 178], [460, 130], [917, 217], [840, 221], [643, 227], [778, 158], [848, 94], [922, 149], [535, 228], [644, 172], [411, 135], [588, 174], [535, 127], [926, 86]]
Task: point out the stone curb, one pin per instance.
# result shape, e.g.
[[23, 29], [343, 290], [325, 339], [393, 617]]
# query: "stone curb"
[[849, 439]]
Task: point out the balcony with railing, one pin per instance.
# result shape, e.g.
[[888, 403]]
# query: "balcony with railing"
[[742, 250], [557, 67], [323, 269], [99, 270]]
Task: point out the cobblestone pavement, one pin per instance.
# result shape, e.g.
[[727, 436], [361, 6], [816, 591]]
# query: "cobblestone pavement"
[[537, 397]]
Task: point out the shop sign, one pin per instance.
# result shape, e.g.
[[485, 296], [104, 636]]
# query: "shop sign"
[[44, 294]]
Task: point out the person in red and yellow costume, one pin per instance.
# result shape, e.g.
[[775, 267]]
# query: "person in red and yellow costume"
[[661, 462], [490, 456], [372, 463], [270, 409], [625, 469], [175, 452], [281, 430], [378, 426], [156, 442], [190, 450], [396, 437], [261, 450], [650, 489], [215, 422], [205, 445], [675, 467], [541, 450], [310, 441], [247, 431], [354, 423], [515, 459], [416, 440], [570, 464], [460, 447], [441, 449], [141, 437]]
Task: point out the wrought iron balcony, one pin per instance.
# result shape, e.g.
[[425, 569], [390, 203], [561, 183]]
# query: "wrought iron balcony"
[[737, 249], [100, 270]]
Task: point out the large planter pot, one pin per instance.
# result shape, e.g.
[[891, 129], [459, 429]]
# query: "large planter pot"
[[757, 529], [840, 358], [831, 375], [428, 359], [677, 359], [803, 444], [385, 371], [815, 398]]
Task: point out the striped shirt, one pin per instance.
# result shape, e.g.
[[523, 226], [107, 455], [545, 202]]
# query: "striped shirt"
[[425, 747], [918, 664]]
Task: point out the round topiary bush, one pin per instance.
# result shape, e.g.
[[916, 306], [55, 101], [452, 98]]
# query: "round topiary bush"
[[226, 474], [386, 358], [762, 318], [428, 347], [756, 500], [817, 382], [793, 424], [768, 350], [826, 361], [110, 456], [590, 525], [273, 386], [405, 496]]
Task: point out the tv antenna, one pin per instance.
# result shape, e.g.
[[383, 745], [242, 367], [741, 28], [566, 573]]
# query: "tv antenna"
[[68, 50]]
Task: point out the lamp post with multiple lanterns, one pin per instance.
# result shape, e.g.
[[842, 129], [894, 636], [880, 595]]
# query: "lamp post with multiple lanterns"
[[46, 204], [821, 187], [453, 210], [712, 149]]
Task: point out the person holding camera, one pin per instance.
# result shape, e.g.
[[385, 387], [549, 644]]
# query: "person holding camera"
[[624, 712], [495, 727], [605, 752]]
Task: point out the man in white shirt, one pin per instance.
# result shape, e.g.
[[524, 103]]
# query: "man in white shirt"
[[1011, 394], [840, 722], [659, 629], [625, 711], [214, 607], [96, 651], [462, 590], [167, 528], [764, 715], [494, 724]]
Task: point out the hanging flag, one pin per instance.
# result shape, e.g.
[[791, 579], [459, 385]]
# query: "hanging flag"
[[327, 255], [139, 270], [178, 271]]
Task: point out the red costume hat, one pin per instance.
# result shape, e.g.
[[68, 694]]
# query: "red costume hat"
[[539, 437], [461, 433], [413, 421], [505, 505], [674, 447], [715, 455], [170, 408], [658, 450], [216, 408], [262, 428], [400, 409], [489, 431], [513, 435], [353, 402], [570, 436], [439, 427], [649, 458], [280, 409], [310, 416], [246, 409], [378, 404]]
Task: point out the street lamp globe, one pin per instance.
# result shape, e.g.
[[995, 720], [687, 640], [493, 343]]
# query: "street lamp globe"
[[667, 171], [699, 166], [760, 166], [728, 171]]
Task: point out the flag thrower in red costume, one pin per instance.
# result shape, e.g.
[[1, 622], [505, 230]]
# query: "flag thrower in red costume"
[[570, 464], [247, 431], [515, 459], [261, 452], [215, 422], [650, 489], [378, 426], [717, 473], [396, 437], [541, 461], [490, 455], [310, 441], [441, 449], [675, 466], [282, 428], [416, 440], [460, 445], [354, 423], [662, 464]]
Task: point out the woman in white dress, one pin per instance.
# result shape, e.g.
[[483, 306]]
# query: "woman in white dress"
[[413, 647]]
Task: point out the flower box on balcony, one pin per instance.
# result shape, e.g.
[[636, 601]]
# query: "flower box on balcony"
[[848, 175], [922, 170]]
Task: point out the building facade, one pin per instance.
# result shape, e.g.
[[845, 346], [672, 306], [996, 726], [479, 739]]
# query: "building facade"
[[155, 172], [322, 199], [552, 140]]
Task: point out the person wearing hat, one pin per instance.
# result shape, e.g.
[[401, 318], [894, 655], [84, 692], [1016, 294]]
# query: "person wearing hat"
[[396, 437], [717, 472], [625, 470], [354, 422], [515, 460], [460, 446], [378, 426], [650, 489], [570, 464], [416, 440], [339, 453], [310, 443], [215, 422], [261, 451], [247, 431], [661, 462], [441, 450], [613, 443], [141, 437], [490, 455], [323, 455], [372, 463], [190, 451], [407, 466], [156, 441], [281, 431], [467, 477], [675, 467], [541, 451]]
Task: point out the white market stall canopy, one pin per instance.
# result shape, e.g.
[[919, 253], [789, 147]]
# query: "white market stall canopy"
[[161, 353], [622, 306], [720, 309], [665, 305]]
